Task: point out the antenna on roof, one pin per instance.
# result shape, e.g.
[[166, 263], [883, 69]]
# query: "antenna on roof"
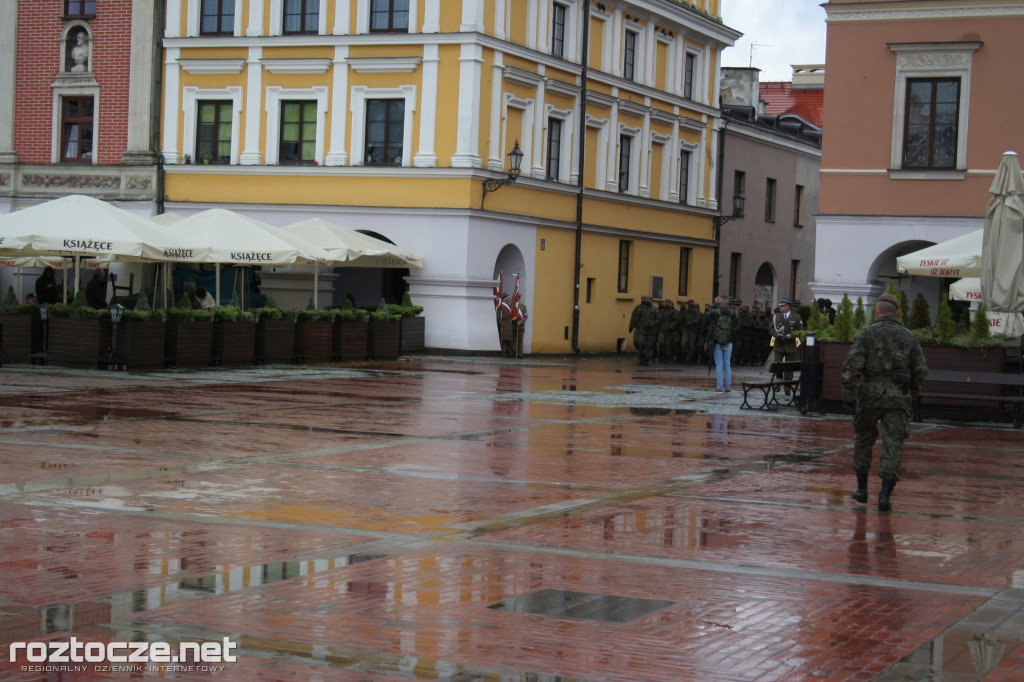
[[754, 44]]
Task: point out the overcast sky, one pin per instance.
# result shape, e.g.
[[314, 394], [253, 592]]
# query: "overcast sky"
[[783, 32]]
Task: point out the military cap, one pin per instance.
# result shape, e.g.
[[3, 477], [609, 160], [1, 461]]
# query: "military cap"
[[889, 298], [504, 294], [785, 301]]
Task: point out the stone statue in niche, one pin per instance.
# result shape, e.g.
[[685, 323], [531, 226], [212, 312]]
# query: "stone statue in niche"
[[80, 53]]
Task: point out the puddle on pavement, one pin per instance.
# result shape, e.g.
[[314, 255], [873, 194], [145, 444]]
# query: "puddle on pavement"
[[582, 605], [961, 654]]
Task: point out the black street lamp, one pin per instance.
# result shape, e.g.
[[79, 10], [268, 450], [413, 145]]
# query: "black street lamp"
[[515, 161], [116, 315]]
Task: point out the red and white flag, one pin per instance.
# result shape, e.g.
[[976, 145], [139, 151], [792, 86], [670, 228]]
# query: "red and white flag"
[[515, 299], [497, 293]]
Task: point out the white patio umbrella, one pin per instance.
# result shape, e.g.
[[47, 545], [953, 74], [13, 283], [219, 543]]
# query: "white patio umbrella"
[[241, 240], [957, 257], [1007, 324], [351, 249], [1002, 253], [78, 226]]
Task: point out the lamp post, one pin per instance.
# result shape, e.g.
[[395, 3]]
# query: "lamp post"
[[515, 161], [42, 357], [738, 200], [116, 313]]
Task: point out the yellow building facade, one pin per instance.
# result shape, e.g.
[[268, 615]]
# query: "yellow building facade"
[[389, 116]]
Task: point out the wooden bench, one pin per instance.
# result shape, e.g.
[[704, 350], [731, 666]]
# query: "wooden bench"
[[771, 387], [952, 386]]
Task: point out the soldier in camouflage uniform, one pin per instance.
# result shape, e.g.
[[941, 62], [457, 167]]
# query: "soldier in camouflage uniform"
[[691, 332], [666, 325], [744, 337], [889, 359], [644, 325]]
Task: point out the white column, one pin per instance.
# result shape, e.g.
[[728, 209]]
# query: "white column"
[[172, 23], [673, 174], [427, 156], [172, 108], [497, 112], [253, 111], [337, 155], [140, 84], [432, 16], [650, 43], [8, 64], [472, 16], [611, 182], [500, 10], [711, 200], [531, 24], [537, 169], [342, 25], [468, 135], [644, 181], [255, 27]]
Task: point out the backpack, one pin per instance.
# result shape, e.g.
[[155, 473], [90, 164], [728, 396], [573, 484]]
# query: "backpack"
[[722, 333]]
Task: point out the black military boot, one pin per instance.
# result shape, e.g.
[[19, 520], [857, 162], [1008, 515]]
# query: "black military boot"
[[883, 495], [861, 494]]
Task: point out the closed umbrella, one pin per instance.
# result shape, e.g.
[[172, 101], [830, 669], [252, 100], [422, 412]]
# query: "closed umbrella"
[[957, 257], [1002, 254]]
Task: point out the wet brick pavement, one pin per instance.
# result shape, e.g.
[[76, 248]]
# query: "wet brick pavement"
[[473, 519]]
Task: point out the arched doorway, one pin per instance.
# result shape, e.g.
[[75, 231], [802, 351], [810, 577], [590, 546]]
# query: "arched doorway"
[[368, 286], [509, 262], [764, 287]]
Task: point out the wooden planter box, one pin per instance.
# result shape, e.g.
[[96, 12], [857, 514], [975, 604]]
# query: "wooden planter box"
[[188, 344], [78, 343], [833, 353], [275, 341], [350, 340], [314, 341], [383, 339], [22, 336], [140, 345], [234, 343], [413, 335]]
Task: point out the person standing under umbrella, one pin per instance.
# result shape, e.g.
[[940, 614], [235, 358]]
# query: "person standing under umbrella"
[[46, 287], [96, 290]]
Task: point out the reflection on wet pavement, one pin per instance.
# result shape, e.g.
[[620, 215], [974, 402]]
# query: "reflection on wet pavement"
[[464, 519]]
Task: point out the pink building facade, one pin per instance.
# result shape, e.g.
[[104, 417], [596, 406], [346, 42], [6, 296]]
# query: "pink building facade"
[[922, 102]]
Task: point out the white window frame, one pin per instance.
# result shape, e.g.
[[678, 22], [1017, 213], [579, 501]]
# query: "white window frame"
[[360, 94], [691, 187], [190, 95], [277, 94], [277, 18], [635, 152], [697, 86], [526, 133], [194, 16], [565, 146], [639, 54], [59, 93], [363, 16], [931, 60]]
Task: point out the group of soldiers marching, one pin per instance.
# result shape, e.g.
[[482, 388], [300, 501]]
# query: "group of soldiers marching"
[[667, 334]]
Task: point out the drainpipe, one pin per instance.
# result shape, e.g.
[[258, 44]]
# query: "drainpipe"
[[158, 62], [717, 221], [581, 141]]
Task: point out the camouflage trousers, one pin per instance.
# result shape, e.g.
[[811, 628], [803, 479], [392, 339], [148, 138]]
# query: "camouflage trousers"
[[895, 430]]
